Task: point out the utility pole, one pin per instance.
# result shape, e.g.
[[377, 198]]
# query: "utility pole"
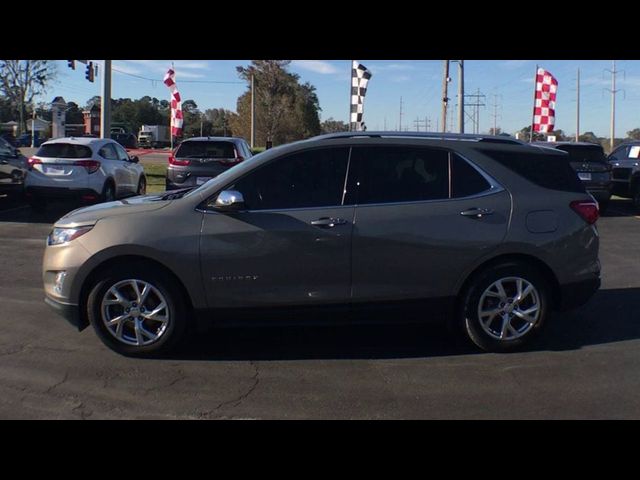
[[400, 124], [385, 124], [460, 96], [105, 111], [495, 113], [417, 123], [578, 108], [253, 112], [475, 117], [33, 125], [427, 124], [613, 91], [445, 98]]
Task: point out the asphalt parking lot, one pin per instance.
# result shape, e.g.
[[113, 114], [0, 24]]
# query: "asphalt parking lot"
[[585, 366]]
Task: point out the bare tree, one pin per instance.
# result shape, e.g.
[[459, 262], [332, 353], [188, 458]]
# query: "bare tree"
[[22, 80]]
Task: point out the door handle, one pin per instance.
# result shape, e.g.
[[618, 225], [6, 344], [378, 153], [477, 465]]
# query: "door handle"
[[476, 212], [326, 222]]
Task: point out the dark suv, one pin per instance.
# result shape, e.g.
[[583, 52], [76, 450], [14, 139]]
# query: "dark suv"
[[198, 160], [625, 161], [491, 233], [591, 165]]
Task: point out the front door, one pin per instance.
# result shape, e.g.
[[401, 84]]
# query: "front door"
[[292, 244], [423, 217]]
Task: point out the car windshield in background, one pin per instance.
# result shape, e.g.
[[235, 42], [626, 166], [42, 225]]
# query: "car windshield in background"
[[206, 150], [64, 150], [584, 153]]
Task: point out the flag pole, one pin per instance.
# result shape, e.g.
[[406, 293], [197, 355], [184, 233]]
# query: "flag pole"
[[350, 94], [533, 115], [171, 116]]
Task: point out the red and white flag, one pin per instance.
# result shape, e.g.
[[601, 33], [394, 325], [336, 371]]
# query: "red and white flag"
[[544, 110], [176, 104]]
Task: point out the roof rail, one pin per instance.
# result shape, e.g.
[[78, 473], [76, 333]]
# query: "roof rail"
[[422, 135]]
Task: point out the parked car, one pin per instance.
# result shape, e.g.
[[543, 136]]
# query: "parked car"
[[625, 161], [591, 165], [10, 139], [198, 160], [450, 224], [90, 169], [127, 140], [12, 171]]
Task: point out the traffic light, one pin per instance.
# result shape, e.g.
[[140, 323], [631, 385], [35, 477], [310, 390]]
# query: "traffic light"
[[72, 64], [89, 74]]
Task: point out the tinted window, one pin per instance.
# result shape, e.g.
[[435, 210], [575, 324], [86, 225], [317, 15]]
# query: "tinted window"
[[64, 150], [308, 179], [619, 153], [465, 179], [108, 152], [584, 153], [548, 171], [206, 149], [392, 174]]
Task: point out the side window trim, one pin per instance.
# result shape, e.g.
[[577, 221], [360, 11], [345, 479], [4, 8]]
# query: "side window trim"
[[494, 185]]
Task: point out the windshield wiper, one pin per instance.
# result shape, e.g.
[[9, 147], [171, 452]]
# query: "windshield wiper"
[[174, 194]]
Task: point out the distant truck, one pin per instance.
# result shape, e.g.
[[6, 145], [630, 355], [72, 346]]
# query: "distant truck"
[[154, 136]]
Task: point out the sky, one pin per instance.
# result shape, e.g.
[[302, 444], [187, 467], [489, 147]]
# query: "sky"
[[505, 83]]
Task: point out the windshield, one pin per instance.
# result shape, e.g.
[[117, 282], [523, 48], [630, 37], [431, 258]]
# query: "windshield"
[[64, 150], [205, 149], [584, 153]]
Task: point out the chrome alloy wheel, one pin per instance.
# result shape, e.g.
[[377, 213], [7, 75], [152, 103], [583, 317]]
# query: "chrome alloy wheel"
[[509, 308], [135, 312]]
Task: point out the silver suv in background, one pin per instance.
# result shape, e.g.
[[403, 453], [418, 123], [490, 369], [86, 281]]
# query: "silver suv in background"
[[488, 232], [88, 169], [198, 160]]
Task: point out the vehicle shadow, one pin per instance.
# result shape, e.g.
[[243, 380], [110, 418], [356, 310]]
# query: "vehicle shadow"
[[619, 207], [610, 316], [15, 209]]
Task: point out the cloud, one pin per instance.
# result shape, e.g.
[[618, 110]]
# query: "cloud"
[[317, 66], [514, 64]]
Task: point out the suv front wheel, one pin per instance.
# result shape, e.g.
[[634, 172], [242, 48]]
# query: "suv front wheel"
[[137, 310], [504, 307]]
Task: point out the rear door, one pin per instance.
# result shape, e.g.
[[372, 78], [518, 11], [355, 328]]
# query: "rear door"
[[132, 170], [292, 245], [423, 216]]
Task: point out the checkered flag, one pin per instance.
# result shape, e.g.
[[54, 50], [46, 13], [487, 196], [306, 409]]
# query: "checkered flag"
[[176, 104], [544, 110], [359, 80]]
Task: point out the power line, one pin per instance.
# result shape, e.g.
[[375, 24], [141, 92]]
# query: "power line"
[[181, 81]]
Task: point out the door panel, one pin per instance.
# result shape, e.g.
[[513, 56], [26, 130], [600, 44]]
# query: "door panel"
[[276, 258], [420, 250]]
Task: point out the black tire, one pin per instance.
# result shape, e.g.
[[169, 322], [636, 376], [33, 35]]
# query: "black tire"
[[108, 192], [604, 205], [635, 196], [142, 186], [470, 298], [168, 288]]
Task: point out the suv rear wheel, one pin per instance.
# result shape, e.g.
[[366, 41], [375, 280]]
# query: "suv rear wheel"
[[137, 310], [635, 196], [504, 307]]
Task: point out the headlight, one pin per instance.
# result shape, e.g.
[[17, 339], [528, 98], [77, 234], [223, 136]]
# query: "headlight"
[[63, 235]]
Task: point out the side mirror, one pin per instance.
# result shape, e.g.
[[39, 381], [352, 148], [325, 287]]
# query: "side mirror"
[[229, 201], [134, 159]]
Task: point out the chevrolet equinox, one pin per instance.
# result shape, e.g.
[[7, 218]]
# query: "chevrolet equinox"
[[494, 233]]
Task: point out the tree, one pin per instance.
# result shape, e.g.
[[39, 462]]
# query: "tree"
[[285, 109], [495, 131], [22, 80], [525, 134], [634, 134], [219, 121], [331, 126], [95, 100], [73, 115], [589, 137]]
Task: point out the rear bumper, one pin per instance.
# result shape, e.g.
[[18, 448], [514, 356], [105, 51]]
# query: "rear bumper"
[[573, 295], [71, 313], [61, 192]]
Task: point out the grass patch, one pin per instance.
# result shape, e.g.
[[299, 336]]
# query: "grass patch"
[[156, 175]]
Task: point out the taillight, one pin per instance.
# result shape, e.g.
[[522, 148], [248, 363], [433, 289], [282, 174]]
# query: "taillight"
[[174, 161], [91, 165], [33, 161], [588, 210]]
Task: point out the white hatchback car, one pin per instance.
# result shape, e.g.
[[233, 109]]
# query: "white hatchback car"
[[88, 169]]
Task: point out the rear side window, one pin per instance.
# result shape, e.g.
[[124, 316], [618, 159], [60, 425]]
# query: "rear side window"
[[392, 174], [549, 171], [64, 150], [206, 149], [466, 180], [584, 153]]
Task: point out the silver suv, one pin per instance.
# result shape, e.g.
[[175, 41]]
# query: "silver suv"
[[492, 233], [90, 169]]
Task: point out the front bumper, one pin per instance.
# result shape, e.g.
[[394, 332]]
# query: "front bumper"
[[69, 312]]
